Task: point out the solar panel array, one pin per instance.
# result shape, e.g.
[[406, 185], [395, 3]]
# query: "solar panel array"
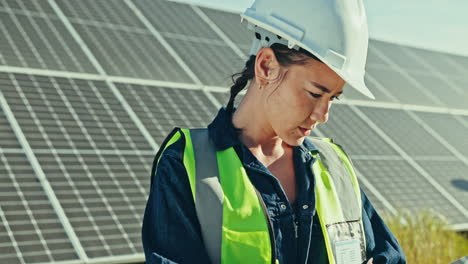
[[89, 89]]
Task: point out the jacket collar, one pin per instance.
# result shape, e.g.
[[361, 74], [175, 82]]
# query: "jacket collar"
[[225, 135]]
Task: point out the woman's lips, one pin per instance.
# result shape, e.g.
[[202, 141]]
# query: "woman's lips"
[[305, 132]]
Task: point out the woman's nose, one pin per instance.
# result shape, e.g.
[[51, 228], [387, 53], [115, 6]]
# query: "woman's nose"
[[320, 112]]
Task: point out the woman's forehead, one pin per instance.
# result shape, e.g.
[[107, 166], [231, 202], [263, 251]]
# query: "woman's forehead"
[[318, 72]]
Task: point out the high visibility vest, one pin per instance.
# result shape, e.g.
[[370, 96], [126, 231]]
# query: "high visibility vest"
[[235, 224]]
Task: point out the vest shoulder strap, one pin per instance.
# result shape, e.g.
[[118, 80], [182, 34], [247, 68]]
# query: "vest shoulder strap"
[[171, 138], [208, 192], [338, 201], [343, 176]]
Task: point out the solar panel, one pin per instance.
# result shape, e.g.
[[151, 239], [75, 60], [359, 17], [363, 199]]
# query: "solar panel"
[[462, 83], [373, 56], [450, 95], [31, 6], [232, 27], [104, 12], [397, 55], [176, 18], [391, 178], [399, 86], [39, 40], [440, 62], [94, 183], [380, 93], [353, 134], [134, 54], [100, 204], [30, 231], [223, 98], [461, 62], [49, 108], [161, 109], [410, 136], [451, 175], [98, 161], [213, 64], [448, 125]]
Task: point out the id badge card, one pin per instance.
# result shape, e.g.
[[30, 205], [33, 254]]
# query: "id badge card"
[[348, 252]]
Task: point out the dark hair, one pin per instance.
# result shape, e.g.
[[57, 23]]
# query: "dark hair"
[[285, 57]]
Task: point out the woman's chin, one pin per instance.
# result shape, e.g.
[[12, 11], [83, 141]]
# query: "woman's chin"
[[294, 141]]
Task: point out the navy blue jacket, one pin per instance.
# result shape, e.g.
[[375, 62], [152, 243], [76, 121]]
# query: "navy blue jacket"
[[171, 231]]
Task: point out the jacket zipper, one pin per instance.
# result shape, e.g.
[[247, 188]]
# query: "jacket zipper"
[[270, 228], [296, 224]]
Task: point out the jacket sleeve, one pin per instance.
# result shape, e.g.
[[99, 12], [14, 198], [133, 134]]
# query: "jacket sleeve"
[[171, 231], [382, 245]]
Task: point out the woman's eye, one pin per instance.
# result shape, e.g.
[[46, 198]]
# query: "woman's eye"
[[334, 97], [315, 95]]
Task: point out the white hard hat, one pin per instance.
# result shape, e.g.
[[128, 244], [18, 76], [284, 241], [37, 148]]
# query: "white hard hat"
[[335, 31]]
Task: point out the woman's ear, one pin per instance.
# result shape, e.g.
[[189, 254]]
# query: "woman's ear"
[[266, 66]]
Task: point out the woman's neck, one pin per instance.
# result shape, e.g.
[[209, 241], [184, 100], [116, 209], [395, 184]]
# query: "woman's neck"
[[257, 134]]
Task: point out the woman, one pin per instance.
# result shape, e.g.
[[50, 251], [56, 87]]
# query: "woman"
[[282, 198]]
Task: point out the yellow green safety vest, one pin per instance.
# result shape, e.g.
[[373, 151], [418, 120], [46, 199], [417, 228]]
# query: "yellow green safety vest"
[[235, 224]]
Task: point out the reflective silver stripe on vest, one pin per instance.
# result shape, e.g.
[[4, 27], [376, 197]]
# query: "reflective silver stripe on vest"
[[208, 193], [352, 227], [341, 179]]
